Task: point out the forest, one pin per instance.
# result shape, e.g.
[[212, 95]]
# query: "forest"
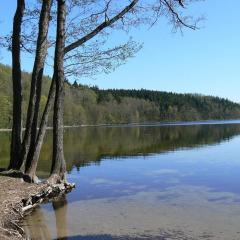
[[91, 105]]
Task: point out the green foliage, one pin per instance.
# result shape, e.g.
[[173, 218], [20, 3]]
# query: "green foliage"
[[85, 105], [164, 106]]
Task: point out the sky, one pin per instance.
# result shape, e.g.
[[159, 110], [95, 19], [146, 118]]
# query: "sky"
[[206, 61]]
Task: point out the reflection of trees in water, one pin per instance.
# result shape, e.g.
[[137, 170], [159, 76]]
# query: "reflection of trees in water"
[[60, 210], [36, 226], [90, 144], [86, 145]]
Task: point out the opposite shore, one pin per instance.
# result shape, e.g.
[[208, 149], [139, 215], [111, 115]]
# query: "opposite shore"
[[162, 123]]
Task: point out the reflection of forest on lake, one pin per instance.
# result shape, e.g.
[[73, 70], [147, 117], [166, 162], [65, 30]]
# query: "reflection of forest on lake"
[[87, 145], [154, 182]]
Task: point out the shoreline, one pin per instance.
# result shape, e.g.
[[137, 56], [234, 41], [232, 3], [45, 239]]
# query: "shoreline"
[[150, 124], [18, 198]]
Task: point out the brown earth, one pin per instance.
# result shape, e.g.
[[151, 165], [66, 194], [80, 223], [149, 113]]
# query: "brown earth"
[[13, 192], [17, 198]]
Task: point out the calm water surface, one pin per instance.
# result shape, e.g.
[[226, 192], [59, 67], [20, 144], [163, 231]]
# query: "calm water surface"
[[143, 182]]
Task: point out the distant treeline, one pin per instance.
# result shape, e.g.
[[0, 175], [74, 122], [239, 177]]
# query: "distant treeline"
[[91, 105]]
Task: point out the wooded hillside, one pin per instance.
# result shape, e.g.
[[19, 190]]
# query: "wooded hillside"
[[85, 105]]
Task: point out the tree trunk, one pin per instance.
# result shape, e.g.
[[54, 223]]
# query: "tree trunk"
[[16, 140], [58, 162], [31, 166], [36, 82]]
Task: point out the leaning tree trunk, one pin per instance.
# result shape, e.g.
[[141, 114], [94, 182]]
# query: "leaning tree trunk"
[[31, 166], [16, 140], [35, 92], [58, 162]]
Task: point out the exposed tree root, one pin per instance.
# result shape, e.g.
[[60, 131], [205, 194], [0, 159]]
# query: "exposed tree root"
[[31, 178], [46, 194], [12, 173], [57, 179]]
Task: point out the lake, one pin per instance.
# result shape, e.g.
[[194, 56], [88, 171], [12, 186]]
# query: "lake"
[[170, 181]]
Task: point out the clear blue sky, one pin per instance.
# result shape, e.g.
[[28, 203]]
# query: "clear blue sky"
[[206, 61]]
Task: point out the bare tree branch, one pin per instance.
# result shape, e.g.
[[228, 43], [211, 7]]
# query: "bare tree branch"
[[100, 28]]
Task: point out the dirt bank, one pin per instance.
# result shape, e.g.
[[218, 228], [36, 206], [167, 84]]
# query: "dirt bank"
[[17, 198]]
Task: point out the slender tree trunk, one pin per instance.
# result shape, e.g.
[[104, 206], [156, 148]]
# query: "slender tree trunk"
[[31, 166], [16, 141], [36, 83], [58, 162]]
